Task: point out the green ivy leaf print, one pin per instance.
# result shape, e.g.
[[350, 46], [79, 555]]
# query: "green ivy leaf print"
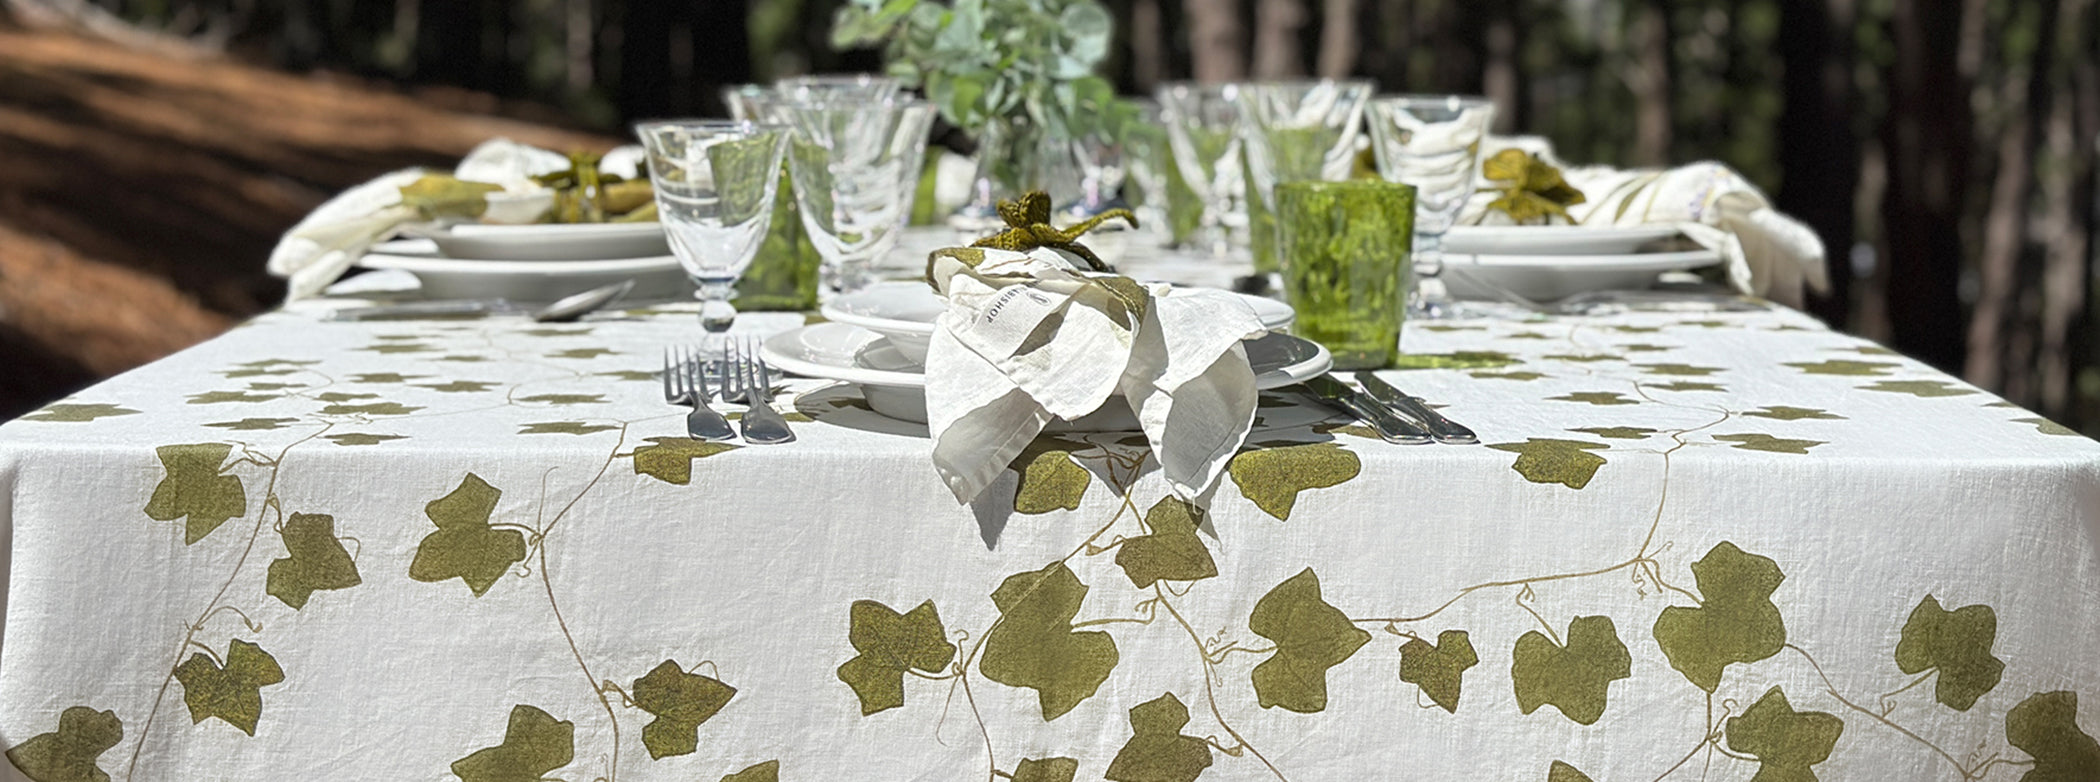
[[1737, 623], [1617, 432], [384, 377], [232, 693], [1173, 552], [464, 546], [1785, 413], [372, 408], [2046, 426], [890, 644], [1157, 752], [1679, 370], [1599, 398], [565, 399], [1956, 642], [1919, 388], [1786, 742], [460, 386], [1050, 478], [221, 397], [1311, 637], [1272, 477], [1575, 678], [77, 413], [681, 702], [1438, 668], [670, 459], [342, 396], [315, 560], [254, 424], [581, 353], [1585, 358], [533, 744], [68, 754], [1845, 367], [1686, 385], [1768, 443], [196, 488], [1034, 646], [768, 771], [2045, 726], [361, 438], [1548, 460], [1562, 772], [564, 427], [1046, 770], [1463, 359]]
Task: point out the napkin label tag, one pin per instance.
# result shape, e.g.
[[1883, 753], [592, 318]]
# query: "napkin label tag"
[[1000, 328]]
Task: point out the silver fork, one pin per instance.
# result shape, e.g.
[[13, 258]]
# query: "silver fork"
[[747, 378], [684, 385]]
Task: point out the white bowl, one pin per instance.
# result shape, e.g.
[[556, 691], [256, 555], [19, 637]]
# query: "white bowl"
[[655, 278], [552, 242], [905, 312]]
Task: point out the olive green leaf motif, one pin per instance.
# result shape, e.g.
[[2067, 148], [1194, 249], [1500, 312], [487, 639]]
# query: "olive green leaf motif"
[[534, 743], [1311, 637], [464, 546], [1768, 443], [1050, 478], [254, 424], [1548, 460], [389, 348], [76, 413], [1033, 644], [768, 771], [383, 377], [1845, 367], [1585, 357], [1598, 398], [232, 693], [565, 399], [1736, 623], [1028, 227], [1172, 552], [1272, 477], [315, 560], [68, 754], [1532, 189], [1046, 770], [564, 427], [1157, 752], [2044, 726], [1562, 772], [461, 386], [361, 438], [196, 488], [580, 353], [890, 644], [2046, 426], [1460, 359], [1438, 668], [342, 396], [1786, 742], [1617, 432], [681, 702], [370, 408], [1784, 413], [1685, 385], [1520, 375], [670, 459], [1919, 388], [1574, 678], [220, 397], [1956, 642], [1681, 370]]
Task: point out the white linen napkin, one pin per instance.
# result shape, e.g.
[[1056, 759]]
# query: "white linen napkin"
[[1767, 253], [324, 244], [1028, 337]]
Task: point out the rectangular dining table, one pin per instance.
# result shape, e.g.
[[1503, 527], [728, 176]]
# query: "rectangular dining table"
[[1695, 542]]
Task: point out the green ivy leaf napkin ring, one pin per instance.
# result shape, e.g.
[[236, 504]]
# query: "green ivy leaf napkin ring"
[[1533, 190]]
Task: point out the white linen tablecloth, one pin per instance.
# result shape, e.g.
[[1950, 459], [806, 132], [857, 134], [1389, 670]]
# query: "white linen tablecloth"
[[1711, 545]]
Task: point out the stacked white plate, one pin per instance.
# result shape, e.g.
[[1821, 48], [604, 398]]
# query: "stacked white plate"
[[535, 262], [1543, 263], [877, 340]]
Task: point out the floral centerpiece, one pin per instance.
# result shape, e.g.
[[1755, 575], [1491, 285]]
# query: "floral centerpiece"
[[1018, 75]]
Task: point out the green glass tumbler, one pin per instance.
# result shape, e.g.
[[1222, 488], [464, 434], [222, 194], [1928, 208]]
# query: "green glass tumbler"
[[1346, 249]]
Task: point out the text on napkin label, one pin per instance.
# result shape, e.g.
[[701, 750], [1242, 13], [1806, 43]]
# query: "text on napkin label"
[[1005, 323]]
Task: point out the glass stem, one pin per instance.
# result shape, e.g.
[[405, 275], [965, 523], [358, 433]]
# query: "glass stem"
[[1428, 295], [716, 313]]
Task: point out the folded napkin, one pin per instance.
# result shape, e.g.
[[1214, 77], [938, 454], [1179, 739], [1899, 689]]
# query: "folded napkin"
[[1030, 336], [324, 244], [1767, 253]]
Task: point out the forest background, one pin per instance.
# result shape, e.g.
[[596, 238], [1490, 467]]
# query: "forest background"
[[1943, 149]]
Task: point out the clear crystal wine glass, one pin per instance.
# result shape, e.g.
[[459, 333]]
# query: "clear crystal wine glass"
[[1433, 143], [1297, 131], [1202, 130], [715, 182], [847, 159]]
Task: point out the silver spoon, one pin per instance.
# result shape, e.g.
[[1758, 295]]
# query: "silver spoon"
[[567, 309]]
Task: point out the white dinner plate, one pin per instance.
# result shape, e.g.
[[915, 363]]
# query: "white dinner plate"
[[896, 387], [1553, 239], [1550, 277], [657, 277], [552, 242], [905, 311]]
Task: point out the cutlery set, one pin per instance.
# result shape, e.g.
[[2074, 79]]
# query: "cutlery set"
[[740, 376], [1396, 416]]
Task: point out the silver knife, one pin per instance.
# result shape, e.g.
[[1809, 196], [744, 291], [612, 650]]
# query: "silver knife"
[[1443, 429], [1391, 428]]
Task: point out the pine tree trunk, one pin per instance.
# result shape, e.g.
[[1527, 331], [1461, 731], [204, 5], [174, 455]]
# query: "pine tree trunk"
[[1278, 25], [1818, 150], [1926, 137], [1216, 40], [1997, 319], [1650, 81], [1339, 43]]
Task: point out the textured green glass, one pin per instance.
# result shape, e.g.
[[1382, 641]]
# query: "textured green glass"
[[784, 274], [1346, 251]]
